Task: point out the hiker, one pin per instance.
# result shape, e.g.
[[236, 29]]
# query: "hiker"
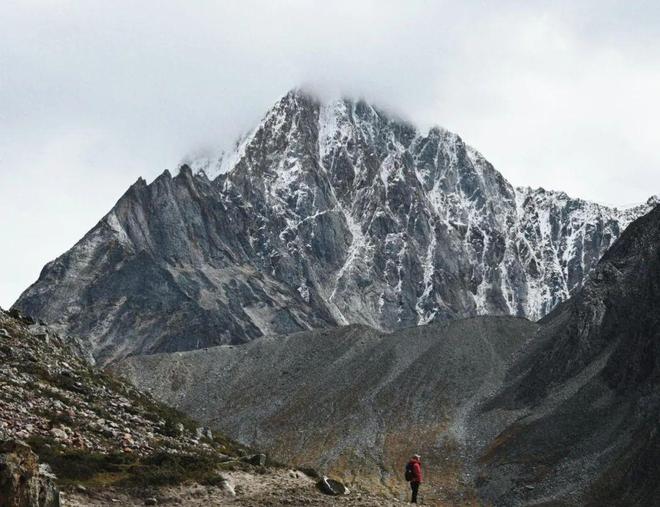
[[414, 475]]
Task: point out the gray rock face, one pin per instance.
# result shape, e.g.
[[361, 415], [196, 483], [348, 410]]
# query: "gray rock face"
[[325, 214], [578, 419], [23, 482]]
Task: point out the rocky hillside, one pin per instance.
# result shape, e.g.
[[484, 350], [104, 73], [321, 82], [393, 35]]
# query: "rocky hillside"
[[325, 214], [351, 401], [51, 395], [578, 418], [109, 444]]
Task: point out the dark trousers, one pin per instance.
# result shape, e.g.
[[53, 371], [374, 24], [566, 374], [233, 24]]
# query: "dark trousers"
[[415, 487]]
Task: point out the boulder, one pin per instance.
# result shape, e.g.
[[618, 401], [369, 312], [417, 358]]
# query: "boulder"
[[228, 487], [332, 487], [59, 434], [23, 482], [257, 460]]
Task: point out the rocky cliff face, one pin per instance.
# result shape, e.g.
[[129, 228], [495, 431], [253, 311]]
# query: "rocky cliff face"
[[578, 419], [325, 214]]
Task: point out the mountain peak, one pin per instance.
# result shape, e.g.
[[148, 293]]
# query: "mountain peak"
[[296, 98], [327, 213]]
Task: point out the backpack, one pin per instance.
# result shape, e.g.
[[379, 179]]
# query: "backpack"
[[409, 472]]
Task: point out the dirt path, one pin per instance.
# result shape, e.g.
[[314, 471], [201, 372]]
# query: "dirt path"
[[280, 487]]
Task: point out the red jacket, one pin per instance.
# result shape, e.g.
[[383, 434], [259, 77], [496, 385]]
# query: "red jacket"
[[416, 466]]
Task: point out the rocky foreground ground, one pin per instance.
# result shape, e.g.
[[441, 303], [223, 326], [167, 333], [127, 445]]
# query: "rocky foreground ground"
[[274, 487]]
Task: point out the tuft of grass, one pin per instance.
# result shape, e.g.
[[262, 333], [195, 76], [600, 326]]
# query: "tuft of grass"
[[78, 466], [166, 468], [228, 446], [161, 468]]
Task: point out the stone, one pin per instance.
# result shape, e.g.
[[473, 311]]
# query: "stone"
[[23, 434], [228, 487], [58, 434], [332, 487], [151, 501], [23, 482], [257, 460], [4, 333]]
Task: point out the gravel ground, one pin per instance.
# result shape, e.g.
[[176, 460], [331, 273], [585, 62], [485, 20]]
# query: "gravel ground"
[[277, 487], [352, 402]]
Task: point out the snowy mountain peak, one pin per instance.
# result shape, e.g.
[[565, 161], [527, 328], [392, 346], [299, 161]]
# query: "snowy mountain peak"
[[326, 213]]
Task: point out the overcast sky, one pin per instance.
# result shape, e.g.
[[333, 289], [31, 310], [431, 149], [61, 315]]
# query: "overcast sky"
[[564, 95]]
